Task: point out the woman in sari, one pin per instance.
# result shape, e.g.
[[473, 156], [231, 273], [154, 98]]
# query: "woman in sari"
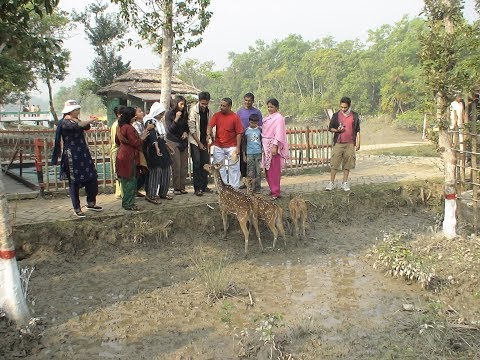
[[130, 146], [274, 147]]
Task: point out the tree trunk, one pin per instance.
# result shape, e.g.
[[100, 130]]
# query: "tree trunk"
[[449, 161], [50, 100], [12, 300], [167, 59]]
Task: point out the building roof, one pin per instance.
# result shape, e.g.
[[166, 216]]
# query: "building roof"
[[144, 84]]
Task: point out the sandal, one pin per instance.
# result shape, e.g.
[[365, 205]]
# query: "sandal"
[[132, 208], [166, 197], [183, 191], [153, 201], [180, 192]]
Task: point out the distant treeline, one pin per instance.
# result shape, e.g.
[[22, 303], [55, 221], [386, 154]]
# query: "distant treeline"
[[382, 75]]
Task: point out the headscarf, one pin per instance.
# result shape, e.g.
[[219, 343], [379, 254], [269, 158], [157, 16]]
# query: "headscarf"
[[155, 110]]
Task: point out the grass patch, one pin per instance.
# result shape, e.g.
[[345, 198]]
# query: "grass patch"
[[418, 151]]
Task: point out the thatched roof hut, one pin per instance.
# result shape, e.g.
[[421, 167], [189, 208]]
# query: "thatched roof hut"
[[140, 88], [144, 84]]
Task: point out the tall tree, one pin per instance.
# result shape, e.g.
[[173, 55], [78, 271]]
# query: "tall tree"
[[20, 43], [105, 31], [171, 25], [440, 52]]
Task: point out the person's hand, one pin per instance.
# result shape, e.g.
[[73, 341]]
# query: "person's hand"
[[244, 157], [159, 153], [150, 127], [202, 147], [177, 115], [274, 150], [357, 147], [184, 135], [171, 151]]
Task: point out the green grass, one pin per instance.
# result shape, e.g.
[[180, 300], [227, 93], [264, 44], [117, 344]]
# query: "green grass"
[[421, 151]]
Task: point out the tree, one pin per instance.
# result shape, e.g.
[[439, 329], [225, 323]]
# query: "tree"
[[105, 32], [441, 47], [81, 91], [20, 44], [172, 25]]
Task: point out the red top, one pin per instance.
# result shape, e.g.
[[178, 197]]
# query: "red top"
[[228, 126], [128, 152], [347, 135]]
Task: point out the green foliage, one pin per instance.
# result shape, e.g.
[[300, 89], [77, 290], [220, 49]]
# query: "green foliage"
[[31, 34], [381, 75], [81, 91], [105, 33], [187, 19]]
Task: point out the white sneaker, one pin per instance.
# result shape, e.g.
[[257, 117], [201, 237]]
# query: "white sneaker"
[[345, 186], [330, 186]]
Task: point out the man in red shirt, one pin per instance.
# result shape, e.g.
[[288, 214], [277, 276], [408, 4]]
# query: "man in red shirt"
[[228, 136], [345, 124]]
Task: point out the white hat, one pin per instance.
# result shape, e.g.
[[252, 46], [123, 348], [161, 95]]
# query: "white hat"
[[69, 106]]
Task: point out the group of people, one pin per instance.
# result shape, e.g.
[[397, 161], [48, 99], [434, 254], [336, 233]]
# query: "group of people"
[[151, 151]]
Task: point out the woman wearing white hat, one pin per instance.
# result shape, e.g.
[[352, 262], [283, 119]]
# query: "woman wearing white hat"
[[77, 165]]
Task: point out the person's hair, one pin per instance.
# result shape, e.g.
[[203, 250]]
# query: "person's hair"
[[254, 118], [345, 100], [117, 110], [127, 115], [204, 95], [176, 101], [249, 96], [274, 102], [228, 101]]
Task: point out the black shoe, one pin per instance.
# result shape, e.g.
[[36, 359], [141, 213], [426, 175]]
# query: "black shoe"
[[199, 193], [79, 213], [207, 190], [94, 208]]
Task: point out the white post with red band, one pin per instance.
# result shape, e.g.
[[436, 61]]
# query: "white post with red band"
[[450, 218], [12, 300]]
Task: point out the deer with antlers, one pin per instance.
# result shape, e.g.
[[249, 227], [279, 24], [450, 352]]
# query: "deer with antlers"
[[234, 202], [267, 211]]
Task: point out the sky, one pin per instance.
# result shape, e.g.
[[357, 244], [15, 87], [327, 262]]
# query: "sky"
[[237, 24]]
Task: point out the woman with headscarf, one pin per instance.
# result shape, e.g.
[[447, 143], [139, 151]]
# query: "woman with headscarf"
[[176, 122], [130, 146], [76, 166], [157, 152], [274, 147]]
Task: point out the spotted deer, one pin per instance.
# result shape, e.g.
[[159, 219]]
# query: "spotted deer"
[[298, 213], [267, 211], [234, 202]]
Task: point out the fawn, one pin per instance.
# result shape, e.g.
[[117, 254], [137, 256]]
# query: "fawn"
[[234, 202], [298, 213], [268, 211]]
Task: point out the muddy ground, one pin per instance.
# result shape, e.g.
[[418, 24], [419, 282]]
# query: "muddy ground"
[[122, 290]]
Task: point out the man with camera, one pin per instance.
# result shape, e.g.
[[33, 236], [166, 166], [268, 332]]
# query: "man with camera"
[[345, 125]]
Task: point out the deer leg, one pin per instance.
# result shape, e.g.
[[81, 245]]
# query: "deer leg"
[[254, 220], [304, 223], [243, 225], [273, 229], [225, 224], [281, 228]]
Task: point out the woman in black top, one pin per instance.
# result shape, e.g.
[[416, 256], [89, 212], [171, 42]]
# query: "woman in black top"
[[176, 123]]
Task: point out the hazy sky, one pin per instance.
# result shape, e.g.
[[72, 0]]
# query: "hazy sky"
[[237, 24]]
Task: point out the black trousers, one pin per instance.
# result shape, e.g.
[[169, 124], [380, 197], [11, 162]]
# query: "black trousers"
[[200, 175]]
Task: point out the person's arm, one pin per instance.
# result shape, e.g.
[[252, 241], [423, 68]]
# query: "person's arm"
[[244, 147], [333, 126], [212, 123], [357, 141]]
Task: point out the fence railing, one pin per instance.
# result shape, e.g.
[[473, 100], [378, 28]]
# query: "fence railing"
[[465, 145], [27, 154]]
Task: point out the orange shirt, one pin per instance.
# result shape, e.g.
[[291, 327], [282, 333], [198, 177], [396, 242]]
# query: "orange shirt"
[[227, 127]]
